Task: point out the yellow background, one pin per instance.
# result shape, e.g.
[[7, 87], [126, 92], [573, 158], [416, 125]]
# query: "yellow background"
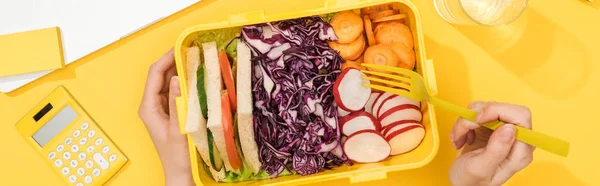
[[547, 60]]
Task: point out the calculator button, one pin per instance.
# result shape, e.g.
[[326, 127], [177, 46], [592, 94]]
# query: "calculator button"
[[76, 133], [75, 148], [96, 172], [80, 171], [112, 157], [105, 149], [52, 155], [101, 161], [98, 141], [74, 163], [68, 140], [90, 149], [65, 170], [87, 179], [89, 164], [81, 156], [72, 178], [79, 184], [82, 141], [91, 133], [67, 155], [58, 163], [60, 148], [84, 126]]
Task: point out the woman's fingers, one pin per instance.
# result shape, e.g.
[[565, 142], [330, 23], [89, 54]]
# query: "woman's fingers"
[[156, 77], [515, 114], [471, 137], [496, 150], [521, 154], [462, 126], [174, 92], [168, 75]]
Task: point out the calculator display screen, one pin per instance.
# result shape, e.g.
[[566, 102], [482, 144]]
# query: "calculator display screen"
[[55, 125]]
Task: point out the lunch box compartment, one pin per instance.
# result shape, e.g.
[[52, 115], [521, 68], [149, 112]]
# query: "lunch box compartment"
[[275, 10]]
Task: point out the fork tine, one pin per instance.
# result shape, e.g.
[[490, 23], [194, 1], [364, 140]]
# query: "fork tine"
[[399, 78], [399, 70], [393, 91], [397, 84]]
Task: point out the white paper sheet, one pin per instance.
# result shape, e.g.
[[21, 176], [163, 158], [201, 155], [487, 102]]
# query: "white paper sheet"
[[86, 25]]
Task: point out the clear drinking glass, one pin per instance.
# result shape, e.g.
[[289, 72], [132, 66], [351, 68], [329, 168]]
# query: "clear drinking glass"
[[480, 12]]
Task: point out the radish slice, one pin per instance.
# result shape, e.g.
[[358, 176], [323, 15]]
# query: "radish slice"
[[342, 112], [385, 129], [379, 102], [399, 126], [399, 113], [371, 101], [394, 101], [358, 121], [405, 139], [348, 91], [366, 146]]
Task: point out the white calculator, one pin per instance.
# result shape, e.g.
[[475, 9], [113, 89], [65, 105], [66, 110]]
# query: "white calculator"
[[70, 141]]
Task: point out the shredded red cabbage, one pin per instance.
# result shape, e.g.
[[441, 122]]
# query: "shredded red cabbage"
[[295, 115]]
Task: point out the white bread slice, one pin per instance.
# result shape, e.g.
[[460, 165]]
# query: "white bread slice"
[[244, 107], [212, 72], [195, 123]]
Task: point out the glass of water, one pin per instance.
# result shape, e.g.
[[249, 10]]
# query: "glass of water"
[[480, 12]]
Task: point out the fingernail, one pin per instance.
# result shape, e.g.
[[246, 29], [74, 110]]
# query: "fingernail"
[[175, 81], [507, 133], [452, 136]]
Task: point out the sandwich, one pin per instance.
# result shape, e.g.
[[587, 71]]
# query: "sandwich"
[[197, 115], [219, 116]]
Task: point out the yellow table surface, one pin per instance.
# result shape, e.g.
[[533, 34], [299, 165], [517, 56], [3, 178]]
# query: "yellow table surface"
[[547, 60]]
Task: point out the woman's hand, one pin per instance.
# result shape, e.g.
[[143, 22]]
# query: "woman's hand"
[[490, 157], [159, 114]]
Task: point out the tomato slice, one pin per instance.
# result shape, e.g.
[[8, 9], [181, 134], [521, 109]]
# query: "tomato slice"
[[228, 79], [227, 120]]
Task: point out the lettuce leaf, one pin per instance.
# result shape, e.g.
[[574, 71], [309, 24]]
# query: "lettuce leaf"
[[221, 36]]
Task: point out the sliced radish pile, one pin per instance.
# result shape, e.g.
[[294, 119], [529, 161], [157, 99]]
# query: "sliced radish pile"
[[379, 101], [405, 138], [371, 101], [366, 146], [348, 91], [399, 113], [358, 121], [342, 112], [389, 125], [394, 101]]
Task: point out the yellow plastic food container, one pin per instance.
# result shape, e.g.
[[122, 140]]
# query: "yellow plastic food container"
[[275, 10]]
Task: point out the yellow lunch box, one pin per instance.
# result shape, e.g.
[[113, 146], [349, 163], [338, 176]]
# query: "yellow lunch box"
[[275, 10]]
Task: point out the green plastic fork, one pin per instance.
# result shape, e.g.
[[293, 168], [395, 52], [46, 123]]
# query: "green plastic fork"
[[411, 85]]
